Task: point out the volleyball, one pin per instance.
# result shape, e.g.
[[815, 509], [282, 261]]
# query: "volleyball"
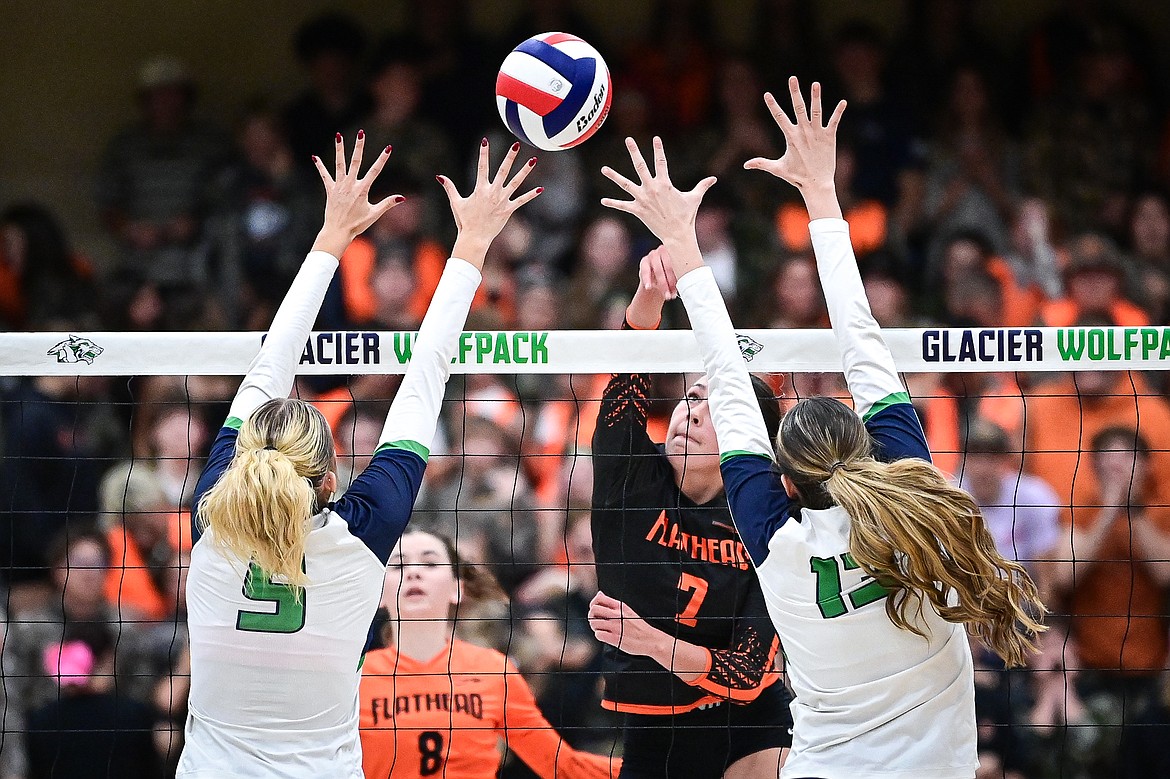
[[553, 91]]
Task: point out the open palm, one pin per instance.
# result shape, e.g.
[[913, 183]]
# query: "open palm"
[[811, 156]]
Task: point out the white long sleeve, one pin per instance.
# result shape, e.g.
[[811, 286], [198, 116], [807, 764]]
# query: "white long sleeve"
[[272, 371], [735, 412], [414, 413], [869, 368]]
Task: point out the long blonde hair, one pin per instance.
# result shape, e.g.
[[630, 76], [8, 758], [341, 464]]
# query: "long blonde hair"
[[260, 508], [914, 532]]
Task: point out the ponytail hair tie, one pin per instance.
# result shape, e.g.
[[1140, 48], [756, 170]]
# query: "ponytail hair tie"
[[270, 448], [835, 466]]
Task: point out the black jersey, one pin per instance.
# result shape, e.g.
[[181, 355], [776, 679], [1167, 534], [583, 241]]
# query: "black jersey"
[[679, 565]]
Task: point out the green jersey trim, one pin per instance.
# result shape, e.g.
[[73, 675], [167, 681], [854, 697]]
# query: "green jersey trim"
[[892, 399], [410, 446]]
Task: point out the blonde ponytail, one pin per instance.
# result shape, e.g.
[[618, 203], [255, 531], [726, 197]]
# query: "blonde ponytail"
[[920, 536], [260, 508], [914, 532]]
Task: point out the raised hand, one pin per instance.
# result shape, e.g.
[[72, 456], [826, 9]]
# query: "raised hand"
[[348, 211], [810, 159], [657, 284], [667, 211], [483, 213]]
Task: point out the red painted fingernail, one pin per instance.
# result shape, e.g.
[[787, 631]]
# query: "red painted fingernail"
[[361, 134], [516, 146], [483, 142], [439, 179], [399, 199], [532, 161], [539, 190], [389, 149], [314, 159], [339, 137]]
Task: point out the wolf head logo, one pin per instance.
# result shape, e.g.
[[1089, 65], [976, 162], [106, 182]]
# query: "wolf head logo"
[[748, 346], [76, 349]]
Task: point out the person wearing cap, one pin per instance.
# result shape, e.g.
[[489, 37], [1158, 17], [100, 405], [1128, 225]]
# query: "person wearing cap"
[[157, 175]]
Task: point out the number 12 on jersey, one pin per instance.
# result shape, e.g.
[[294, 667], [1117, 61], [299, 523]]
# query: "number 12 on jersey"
[[829, 596]]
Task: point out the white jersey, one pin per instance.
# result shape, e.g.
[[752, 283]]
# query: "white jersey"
[[910, 700], [873, 701], [274, 687], [274, 679]]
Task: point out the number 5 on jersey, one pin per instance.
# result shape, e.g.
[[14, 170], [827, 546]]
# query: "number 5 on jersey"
[[288, 616], [829, 597]]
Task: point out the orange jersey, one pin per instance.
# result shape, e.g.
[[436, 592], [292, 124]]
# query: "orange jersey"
[[446, 717]]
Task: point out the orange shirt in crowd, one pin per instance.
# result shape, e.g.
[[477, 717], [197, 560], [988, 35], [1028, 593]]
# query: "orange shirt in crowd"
[[1066, 313], [128, 583], [446, 716], [1059, 425], [1021, 305], [358, 263], [1117, 611], [867, 226]]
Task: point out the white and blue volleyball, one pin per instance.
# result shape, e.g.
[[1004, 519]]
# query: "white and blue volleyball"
[[553, 91]]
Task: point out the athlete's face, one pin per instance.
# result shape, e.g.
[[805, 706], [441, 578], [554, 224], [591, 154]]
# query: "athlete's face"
[[420, 583], [691, 432]]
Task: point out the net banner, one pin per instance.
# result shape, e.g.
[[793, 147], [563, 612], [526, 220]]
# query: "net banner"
[[949, 350]]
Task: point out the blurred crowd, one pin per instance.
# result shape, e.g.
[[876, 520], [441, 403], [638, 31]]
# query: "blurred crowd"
[[987, 184]]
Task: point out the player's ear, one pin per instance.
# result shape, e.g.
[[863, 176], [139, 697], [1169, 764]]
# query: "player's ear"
[[789, 486], [329, 485]]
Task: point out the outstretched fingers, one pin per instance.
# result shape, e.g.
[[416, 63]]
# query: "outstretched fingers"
[[521, 174], [640, 166], [527, 197], [376, 168], [449, 187], [506, 164], [660, 169], [835, 119], [701, 188], [338, 157], [797, 99], [627, 186], [355, 162], [815, 105], [482, 177], [322, 171], [778, 114]]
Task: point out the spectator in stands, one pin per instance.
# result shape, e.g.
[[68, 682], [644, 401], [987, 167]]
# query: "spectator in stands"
[[90, 730], [169, 434], [796, 300], [1111, 572], [889, 158], [420, 147], [330, 48], [1065, 414], [885, 287], [80, 562], [1096, 287], [972, 182], [396, 245], [1090, 146], [604, 268], [158, 179], [1020, 511], [50, 476], [1149, 246], [674, 66], [144, 534], [41, 277], [1033, 256], [488, 506], [968, 259], [263, 234]]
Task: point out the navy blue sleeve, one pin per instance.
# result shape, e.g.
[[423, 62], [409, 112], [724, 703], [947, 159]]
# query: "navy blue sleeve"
[[222, 452], [897, 433], [759, 504], [378, 504]]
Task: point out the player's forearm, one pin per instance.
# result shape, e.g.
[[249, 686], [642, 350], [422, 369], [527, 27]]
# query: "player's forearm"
[[644, 311], [821, 201], [415, 411], [868, 364], [739, 425], [272, 371], [472, 245], [687, 661]]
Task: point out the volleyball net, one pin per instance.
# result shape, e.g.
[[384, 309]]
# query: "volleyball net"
[[1057, 432]]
